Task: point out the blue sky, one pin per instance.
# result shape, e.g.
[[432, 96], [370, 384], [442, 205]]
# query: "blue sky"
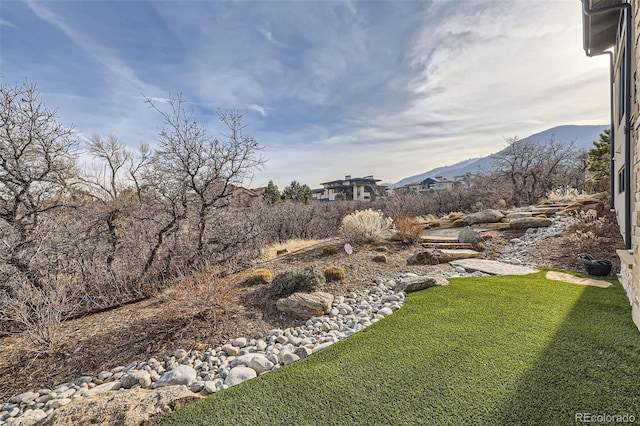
[[329, 88]]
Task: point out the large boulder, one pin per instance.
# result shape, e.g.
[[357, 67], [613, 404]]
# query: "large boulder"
[[469, 236], [258, 362], [485, 216], [306, 304], [425, 257], [131, 408], [409, 284], [136, 377], [530, 222], [238, 375], [180, 375]]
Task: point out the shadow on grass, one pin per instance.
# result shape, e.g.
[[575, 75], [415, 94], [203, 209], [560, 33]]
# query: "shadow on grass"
[[590, 368]]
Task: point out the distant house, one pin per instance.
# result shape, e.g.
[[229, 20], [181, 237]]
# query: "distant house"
[[438, 183], [612, 27], [243, 197], [350, 188]]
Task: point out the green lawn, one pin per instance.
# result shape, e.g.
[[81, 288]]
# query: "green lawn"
[[489, 350]]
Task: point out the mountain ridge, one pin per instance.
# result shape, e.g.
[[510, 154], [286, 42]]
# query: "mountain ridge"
[[582, 136]]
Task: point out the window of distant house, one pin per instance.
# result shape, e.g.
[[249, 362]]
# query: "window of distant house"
[[621, 182]]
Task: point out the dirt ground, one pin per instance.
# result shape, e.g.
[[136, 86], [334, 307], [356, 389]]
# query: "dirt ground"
[[158, 326]]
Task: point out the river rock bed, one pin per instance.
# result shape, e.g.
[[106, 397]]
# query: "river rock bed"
[[216, 369]]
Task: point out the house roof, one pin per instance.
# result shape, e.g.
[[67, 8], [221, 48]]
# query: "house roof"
[[341, 181], [600, 30]]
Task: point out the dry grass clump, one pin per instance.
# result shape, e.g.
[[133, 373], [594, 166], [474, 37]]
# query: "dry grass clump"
[[259, 276], [334, 273], [204, 295], [431, 221], [365, 226], [458, 223], [380, 258], [408, 230], [330, 250], [453, 216], [564, 195]]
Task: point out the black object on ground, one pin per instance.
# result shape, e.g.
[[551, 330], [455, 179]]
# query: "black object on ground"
[[597, 267]]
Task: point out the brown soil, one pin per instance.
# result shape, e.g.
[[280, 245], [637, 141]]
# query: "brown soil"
[[158, 326]]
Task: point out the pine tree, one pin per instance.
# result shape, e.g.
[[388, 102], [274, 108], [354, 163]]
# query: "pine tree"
[[599, 160], [272, 193], [297, 192]]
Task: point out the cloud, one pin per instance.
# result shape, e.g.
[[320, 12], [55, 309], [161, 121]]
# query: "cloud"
[[342, 87], [5, 23], [258, 108], [267, 34]]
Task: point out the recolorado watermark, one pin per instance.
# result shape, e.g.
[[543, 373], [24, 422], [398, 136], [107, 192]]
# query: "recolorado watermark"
[[604, 418]]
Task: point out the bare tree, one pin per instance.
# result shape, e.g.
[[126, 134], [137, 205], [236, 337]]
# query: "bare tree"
[[113, 182], [37, 157], [207, 167], [533, 169]]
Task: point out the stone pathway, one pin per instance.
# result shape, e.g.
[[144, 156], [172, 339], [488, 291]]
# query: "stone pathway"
[[568, 278], [460, 253], [492, 267]]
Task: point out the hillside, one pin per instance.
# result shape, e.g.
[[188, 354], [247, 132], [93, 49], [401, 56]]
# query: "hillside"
[[583, 136]]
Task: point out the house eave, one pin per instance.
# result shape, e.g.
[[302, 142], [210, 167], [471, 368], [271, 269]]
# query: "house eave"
[[600, 30]]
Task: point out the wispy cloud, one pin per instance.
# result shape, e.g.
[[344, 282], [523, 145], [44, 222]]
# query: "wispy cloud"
[[267, 34], [338, 87], [5, 23], [258, 108]]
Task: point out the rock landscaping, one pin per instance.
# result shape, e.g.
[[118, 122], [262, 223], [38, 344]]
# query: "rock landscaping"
[[147, 390], [198, 373]]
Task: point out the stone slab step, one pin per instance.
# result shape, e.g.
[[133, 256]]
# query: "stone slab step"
[[492, 267], [460, 253], [561, 276], [487, 226], [447, 246], [438, 239]]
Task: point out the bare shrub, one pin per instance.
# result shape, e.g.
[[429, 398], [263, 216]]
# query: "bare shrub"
[[309, 279], [588, 228], [588, 221], [407, 229], [365, 226], [584, 240], [202, 294], [38, 313]]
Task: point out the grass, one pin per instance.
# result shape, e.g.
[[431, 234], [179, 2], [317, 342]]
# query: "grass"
[[488, 350]]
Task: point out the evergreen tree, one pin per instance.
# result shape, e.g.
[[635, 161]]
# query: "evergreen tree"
[[297, 192], [599, 160], [272, 193]]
